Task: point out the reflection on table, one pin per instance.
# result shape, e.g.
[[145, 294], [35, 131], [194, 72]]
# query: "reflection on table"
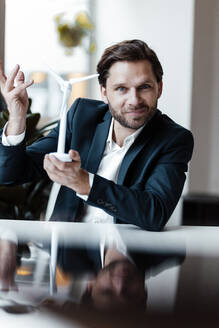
[[112, 275]]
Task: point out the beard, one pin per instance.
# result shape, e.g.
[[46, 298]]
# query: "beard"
[[134, 123]]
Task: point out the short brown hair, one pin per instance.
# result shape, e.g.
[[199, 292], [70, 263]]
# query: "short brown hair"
[[129, 50]]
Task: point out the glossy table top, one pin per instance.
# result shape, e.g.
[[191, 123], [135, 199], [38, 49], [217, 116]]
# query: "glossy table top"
[[180, 267]]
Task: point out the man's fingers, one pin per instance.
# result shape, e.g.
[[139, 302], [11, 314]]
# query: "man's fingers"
[[12, 284], [47, 164], [20, 78], [2, 75], [4, 285], [25, 85], [74, 155], [15, 75], [8, 284], [52, 164], [10, 80], [21, 87], [52, 170]]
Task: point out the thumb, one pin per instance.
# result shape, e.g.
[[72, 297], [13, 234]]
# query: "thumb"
[[74, 155]]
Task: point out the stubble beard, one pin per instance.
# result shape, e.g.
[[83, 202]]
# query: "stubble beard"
[[137, 123]]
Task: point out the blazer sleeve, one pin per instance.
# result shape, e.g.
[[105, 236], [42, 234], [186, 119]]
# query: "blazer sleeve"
[[148, 203], [19, 164]]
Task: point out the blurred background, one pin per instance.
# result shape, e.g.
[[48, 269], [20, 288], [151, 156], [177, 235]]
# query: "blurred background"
[[70, 36]]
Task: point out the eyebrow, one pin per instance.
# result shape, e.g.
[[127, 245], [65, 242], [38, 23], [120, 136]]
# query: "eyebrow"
[[120, 84]]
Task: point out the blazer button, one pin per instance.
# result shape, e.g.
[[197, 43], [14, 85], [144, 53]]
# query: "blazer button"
[[113, 209], [100, 201]]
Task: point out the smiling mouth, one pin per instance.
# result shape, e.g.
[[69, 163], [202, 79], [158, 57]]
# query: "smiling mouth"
[[136, 112], [140, 109]]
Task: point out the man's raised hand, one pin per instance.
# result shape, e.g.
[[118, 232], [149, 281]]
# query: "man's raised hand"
[[16, 99]]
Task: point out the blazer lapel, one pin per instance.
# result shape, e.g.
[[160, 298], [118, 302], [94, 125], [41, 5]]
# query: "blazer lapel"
[[98, 145], [137, 146]]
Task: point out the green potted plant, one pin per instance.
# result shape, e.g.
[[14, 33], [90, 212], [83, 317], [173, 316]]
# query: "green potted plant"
[[29, 200]]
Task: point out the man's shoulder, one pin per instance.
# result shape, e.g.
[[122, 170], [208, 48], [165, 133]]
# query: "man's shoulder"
[[89, 104], [169, 126], [167, 133], [88, 113]]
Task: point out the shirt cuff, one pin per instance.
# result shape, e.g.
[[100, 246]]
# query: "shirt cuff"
[[8, 235], [12, 140], [91, 179]]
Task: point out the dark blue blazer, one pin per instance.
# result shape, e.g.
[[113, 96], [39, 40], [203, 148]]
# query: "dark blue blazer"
[[78, 260], [151, 176]]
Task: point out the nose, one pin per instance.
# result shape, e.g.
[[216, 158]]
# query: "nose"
[[133, 99], [119, 284]]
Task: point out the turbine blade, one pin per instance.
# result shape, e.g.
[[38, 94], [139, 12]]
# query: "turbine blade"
[[84, 78], [56, 76]]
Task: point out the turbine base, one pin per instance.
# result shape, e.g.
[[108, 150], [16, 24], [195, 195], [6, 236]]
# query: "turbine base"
[[62, 157]]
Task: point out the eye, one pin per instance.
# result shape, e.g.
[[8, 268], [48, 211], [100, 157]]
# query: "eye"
[[144, 86], [121, 89]]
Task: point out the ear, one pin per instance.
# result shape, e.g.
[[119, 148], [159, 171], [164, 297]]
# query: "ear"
[[103, 94], [160, 89]]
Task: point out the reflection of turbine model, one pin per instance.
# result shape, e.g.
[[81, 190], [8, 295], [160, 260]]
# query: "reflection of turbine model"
[[66, 88]]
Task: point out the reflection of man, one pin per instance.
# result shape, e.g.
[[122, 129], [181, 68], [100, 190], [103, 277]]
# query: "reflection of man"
[[120, 285], [11, 252], [114, 275], [128, 159], [8, 259]]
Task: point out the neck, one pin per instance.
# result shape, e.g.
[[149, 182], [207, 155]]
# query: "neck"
[[112, 255], [120, 133]]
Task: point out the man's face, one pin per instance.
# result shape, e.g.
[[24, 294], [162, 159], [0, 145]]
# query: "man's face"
[[131, 92], [119, 285]]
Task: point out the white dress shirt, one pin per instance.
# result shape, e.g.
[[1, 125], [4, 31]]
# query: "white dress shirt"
[[11, 140], [108, 168], [6, 234], [110, 238]]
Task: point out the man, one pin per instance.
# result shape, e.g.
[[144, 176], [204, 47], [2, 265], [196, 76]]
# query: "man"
[[8, 251], [128, 159], [11, 251], [111, 275]]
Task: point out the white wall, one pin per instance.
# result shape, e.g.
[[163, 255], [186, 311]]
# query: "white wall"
[[214, 143], [205, 100], [34, 42], [167, 27], [2, 29]]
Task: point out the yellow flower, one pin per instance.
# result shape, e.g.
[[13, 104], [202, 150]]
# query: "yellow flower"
[[92, 47], [83, 20], [77, 33], [58, 19]]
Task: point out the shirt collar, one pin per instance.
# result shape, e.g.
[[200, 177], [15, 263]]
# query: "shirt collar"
[[128, 140]]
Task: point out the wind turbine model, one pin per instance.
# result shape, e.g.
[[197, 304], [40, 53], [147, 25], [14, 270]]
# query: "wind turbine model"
[[66, 88]]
